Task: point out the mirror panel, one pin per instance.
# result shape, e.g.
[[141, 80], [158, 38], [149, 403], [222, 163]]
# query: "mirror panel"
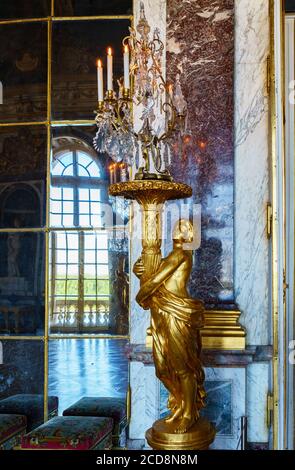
[[24, 9], [22, 177], [22, 283], [87, 368], [23, 52], [89, 283], [92, 7], [22, 380], [76, 47]]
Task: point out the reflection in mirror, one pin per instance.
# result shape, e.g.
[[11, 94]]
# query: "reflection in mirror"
[[22, 282], [23, 52], [92, 7], [22, 177], [22, 381], [76, 48], [87, 368], [89, 283], [24, 9], [89, 288], [78, 192]]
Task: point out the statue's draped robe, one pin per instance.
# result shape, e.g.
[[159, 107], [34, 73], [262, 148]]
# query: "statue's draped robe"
[[177, 342]]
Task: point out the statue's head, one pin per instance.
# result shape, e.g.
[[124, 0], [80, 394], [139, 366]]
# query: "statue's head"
[[183, 231]]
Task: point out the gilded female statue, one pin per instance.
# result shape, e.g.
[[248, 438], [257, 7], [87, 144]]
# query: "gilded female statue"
[[176, 320]]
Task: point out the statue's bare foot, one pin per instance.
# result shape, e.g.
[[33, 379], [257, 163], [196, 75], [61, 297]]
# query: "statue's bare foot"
[[174, 415], [184, 425]]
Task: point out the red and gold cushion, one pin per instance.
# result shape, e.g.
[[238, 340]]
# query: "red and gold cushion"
[[69, 433], [10, 426]]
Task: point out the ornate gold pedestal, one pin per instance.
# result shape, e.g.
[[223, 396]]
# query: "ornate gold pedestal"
[[199, 437], [186, 431]]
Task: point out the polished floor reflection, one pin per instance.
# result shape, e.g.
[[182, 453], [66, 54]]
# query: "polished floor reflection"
[[88, 367]]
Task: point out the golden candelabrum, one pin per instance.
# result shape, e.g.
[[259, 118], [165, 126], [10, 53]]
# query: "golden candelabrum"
[[148, 149], [176, 318]]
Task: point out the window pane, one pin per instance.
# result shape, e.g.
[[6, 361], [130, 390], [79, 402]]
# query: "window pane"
[[95, 208], [84, 220], [61, 256], [55, 207], [68, 171], [23, 52], [95, 195], [22, 373], [82, 171], [99, 256], [75, 49], [55, 193], [57, 168], [102, 241], [102, 270], [83, 194], [22, 176], [61, 240], [73, 240], [66, 159], [55, 220], [84, 207], [68, 207], [68, 194], [93, 7], [62, 270], [89, 256], [68, 220], [94, 170], [102, 257], [96, 220], [89, 240], [84, 159], [90, 270]]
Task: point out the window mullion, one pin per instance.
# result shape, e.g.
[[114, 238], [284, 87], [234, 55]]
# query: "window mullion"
[[53, 275], [81, 282], [76, 190]]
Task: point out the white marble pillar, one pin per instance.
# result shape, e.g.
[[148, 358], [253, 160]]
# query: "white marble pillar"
[[252, 168], [252, 269], [256, 394]]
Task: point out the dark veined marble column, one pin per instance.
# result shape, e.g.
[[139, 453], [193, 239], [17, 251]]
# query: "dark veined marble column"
[[200, 45]]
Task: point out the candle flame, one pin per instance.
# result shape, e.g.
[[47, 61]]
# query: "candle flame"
[[126, 48], [99, 64], [109, 51], [170, 88]]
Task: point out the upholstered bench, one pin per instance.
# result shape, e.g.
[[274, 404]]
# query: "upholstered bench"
[[30, 406], [70, 433], [114, 408], [12, 427]]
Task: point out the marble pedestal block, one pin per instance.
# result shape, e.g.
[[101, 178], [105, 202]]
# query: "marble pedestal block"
[[226, 389]]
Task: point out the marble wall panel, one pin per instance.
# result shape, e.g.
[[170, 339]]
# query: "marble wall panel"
[[200, 46], [252, 168]]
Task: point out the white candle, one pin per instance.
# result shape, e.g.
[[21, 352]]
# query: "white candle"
[[110, 69], [99, 80], [126, 68]]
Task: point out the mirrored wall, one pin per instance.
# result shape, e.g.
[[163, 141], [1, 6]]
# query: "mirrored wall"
[[64, 243]]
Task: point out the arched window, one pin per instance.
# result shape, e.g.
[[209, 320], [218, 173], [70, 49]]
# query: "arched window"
[[79, 258], [77, 189]]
